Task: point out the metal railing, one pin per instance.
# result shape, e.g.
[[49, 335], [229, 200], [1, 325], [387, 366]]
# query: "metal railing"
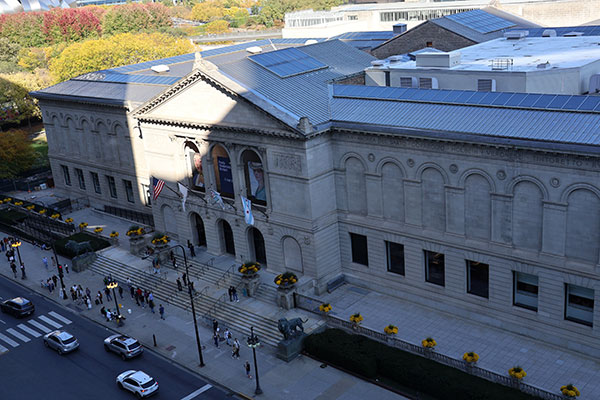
[[227, 275], [211, 312], [310, 304]]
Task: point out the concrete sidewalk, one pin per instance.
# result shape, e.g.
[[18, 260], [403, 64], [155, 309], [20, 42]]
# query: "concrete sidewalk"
[[302, 378]]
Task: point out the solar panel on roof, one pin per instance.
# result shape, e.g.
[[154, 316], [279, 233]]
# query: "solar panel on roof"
[[502, 99], [529, 100], [573, 103], [544, 101], [480, 21], [589, 104], [287, 62], [558, 102], [489, 98]]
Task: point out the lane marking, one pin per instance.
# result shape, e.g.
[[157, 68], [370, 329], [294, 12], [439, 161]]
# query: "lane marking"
[[41, 327], [60, 317], [18, 335], [25, 328], [197, 392], [49, 321], [8, 340], [3, 349]]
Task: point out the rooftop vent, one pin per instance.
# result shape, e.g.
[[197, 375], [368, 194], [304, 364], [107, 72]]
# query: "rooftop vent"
[[573, 34], [399, 28], [545, 65], [160, 68], [501, 64], [516, 35], [438, 60], [549, 33], [377, 63], [254, 49], [310, 41], [594, 84], [396, 59]]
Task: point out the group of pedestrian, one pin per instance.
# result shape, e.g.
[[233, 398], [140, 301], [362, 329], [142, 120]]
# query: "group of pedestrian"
[[81, 296], [9, 252], [143, 297], [232, 291]]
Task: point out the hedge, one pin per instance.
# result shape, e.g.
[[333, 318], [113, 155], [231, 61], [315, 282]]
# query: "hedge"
[[372, 359], [96, 243]]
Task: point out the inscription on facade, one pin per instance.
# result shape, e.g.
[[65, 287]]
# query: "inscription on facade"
[[288, 162]]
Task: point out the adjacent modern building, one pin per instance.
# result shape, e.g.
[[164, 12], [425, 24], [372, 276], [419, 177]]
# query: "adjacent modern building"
[[485, 205]]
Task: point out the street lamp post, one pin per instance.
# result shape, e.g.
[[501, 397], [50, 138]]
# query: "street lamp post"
[[15, 245], [187, 273], [113, 285], [253, 342]]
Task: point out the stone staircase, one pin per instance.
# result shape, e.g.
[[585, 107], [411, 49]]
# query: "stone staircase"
[[210, 301]]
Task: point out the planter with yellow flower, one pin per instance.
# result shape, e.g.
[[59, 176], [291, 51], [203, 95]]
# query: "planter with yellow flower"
[[470, 358], [570, 391], [285, 294], [287, 280], [82, 226], [98, 229], [18, 203], [429, 345], [43, 211], [356, 319], [250, 278], [137, 243], [517, 373], [69, 220], [325, 308], [160, 241], [55, 216], [391, 330], [30, 207]]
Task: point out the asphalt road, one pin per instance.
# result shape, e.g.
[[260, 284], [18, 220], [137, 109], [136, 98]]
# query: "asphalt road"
[[29, 370]]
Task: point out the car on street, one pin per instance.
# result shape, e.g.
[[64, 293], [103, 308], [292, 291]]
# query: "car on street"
[[137, 382], [19, 307], [61, 341], [127, 347]]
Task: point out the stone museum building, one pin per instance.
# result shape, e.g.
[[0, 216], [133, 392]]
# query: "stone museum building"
[[482, 204]]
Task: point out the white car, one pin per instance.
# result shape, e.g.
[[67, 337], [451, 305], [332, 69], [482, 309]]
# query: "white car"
[[137, 382], [61, 341]]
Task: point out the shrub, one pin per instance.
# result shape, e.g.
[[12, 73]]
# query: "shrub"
[[136, 18], [96, 242], [23, 28], [70, 24]]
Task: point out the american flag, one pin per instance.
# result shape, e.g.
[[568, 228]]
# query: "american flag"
[[157, 187]]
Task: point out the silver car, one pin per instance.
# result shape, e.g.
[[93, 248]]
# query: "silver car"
[[61, 341], [137, 382], [127, 347]]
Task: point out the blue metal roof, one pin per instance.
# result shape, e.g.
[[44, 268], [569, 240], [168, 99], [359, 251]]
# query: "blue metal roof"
[[287, 62], [365, 40], [591, 30], [480, 21], [558, 119]]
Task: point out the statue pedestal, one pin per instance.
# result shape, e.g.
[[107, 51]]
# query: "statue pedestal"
[[285, 297], [80, 263], [289, 349], [251, 283], [137, 245]]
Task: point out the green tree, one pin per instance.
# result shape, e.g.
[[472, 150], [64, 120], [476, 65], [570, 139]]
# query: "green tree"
[[136, 18], [9, 53], [114, 51], [23, 28], [219, 26], [210, 10], [16, 105], [16, 153]]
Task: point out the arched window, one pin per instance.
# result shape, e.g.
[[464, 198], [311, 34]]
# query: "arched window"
[[222, 167], [227, 243], [194, 167], [254, 175], [257, 245]]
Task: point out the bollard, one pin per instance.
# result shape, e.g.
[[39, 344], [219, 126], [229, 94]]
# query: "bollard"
[[154, 338]]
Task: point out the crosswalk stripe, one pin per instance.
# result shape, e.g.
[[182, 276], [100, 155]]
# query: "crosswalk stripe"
[[3, 349], [25, 328], [8, 340], [60, 317], [49, 321], [18, 335], [41, 327], [197, 392]]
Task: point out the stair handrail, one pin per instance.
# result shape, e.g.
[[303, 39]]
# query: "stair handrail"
[[198, 295], [228, 273], [209, 314]]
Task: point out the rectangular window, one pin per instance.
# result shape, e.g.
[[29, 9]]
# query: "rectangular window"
[[478, 277], [395, 257], [66, 175], [360, 254], [352, 17], [429, 44], [128, 190], [112, 187], [80, 178], [147, 195], [387, 78], [486, 85], [525, 292], [406, 82], [96, 182], [579, 304], [434, 268]]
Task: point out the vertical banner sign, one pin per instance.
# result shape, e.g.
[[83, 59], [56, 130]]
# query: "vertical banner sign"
[[225, 178]]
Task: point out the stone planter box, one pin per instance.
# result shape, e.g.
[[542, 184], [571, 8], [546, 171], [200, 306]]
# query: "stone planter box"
[[251, 283], [285, 296], [137, 245]]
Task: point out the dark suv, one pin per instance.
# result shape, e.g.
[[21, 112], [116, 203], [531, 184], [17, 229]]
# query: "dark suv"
[[125, 346], [19, 307]]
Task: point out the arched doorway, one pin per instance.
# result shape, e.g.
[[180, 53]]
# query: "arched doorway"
[[199, 233], [292, 254], [257, 245], [227, 243]]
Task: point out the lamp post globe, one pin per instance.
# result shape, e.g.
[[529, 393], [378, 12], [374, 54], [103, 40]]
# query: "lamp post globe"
[[253, 342]]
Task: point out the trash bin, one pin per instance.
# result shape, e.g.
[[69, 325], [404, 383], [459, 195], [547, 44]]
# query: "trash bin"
[[244, 292]]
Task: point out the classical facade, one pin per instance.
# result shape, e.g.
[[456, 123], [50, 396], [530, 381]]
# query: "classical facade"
[[489, 212]]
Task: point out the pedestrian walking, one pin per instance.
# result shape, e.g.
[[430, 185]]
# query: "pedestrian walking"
[[88, 292], [88, 302], [129, 285], [142, 301], [235, 296], [132, 291], [216, 340], [73, 294], [2, 245], [13, 266], [62, 293], [230, 293], [103, 311], [184, 279], [179, 287], [236, 349], [227, 337], [247, 368], [66, 267], [215, 325], [121, 291], [151, 305], [99, 297], [192, 250], [174, 263], [45, 262], [138, 296], [55, 280], [191, 285], [108, 315], [161, 310], [53, 262], [23, 275], [107, 293]]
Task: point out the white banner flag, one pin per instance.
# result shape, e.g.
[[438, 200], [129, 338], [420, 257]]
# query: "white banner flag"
[[184, 191], [248, 211], [216, 196]]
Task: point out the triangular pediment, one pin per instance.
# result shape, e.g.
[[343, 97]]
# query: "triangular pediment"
[[202, 102]]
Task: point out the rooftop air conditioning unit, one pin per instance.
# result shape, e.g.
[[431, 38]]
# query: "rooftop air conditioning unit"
[[549, 33], [516, 35], [594, 84], [378, 64], [573, 34], [396, 59], [254, 49], [160, 68], [438, 60], [310, 41]]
